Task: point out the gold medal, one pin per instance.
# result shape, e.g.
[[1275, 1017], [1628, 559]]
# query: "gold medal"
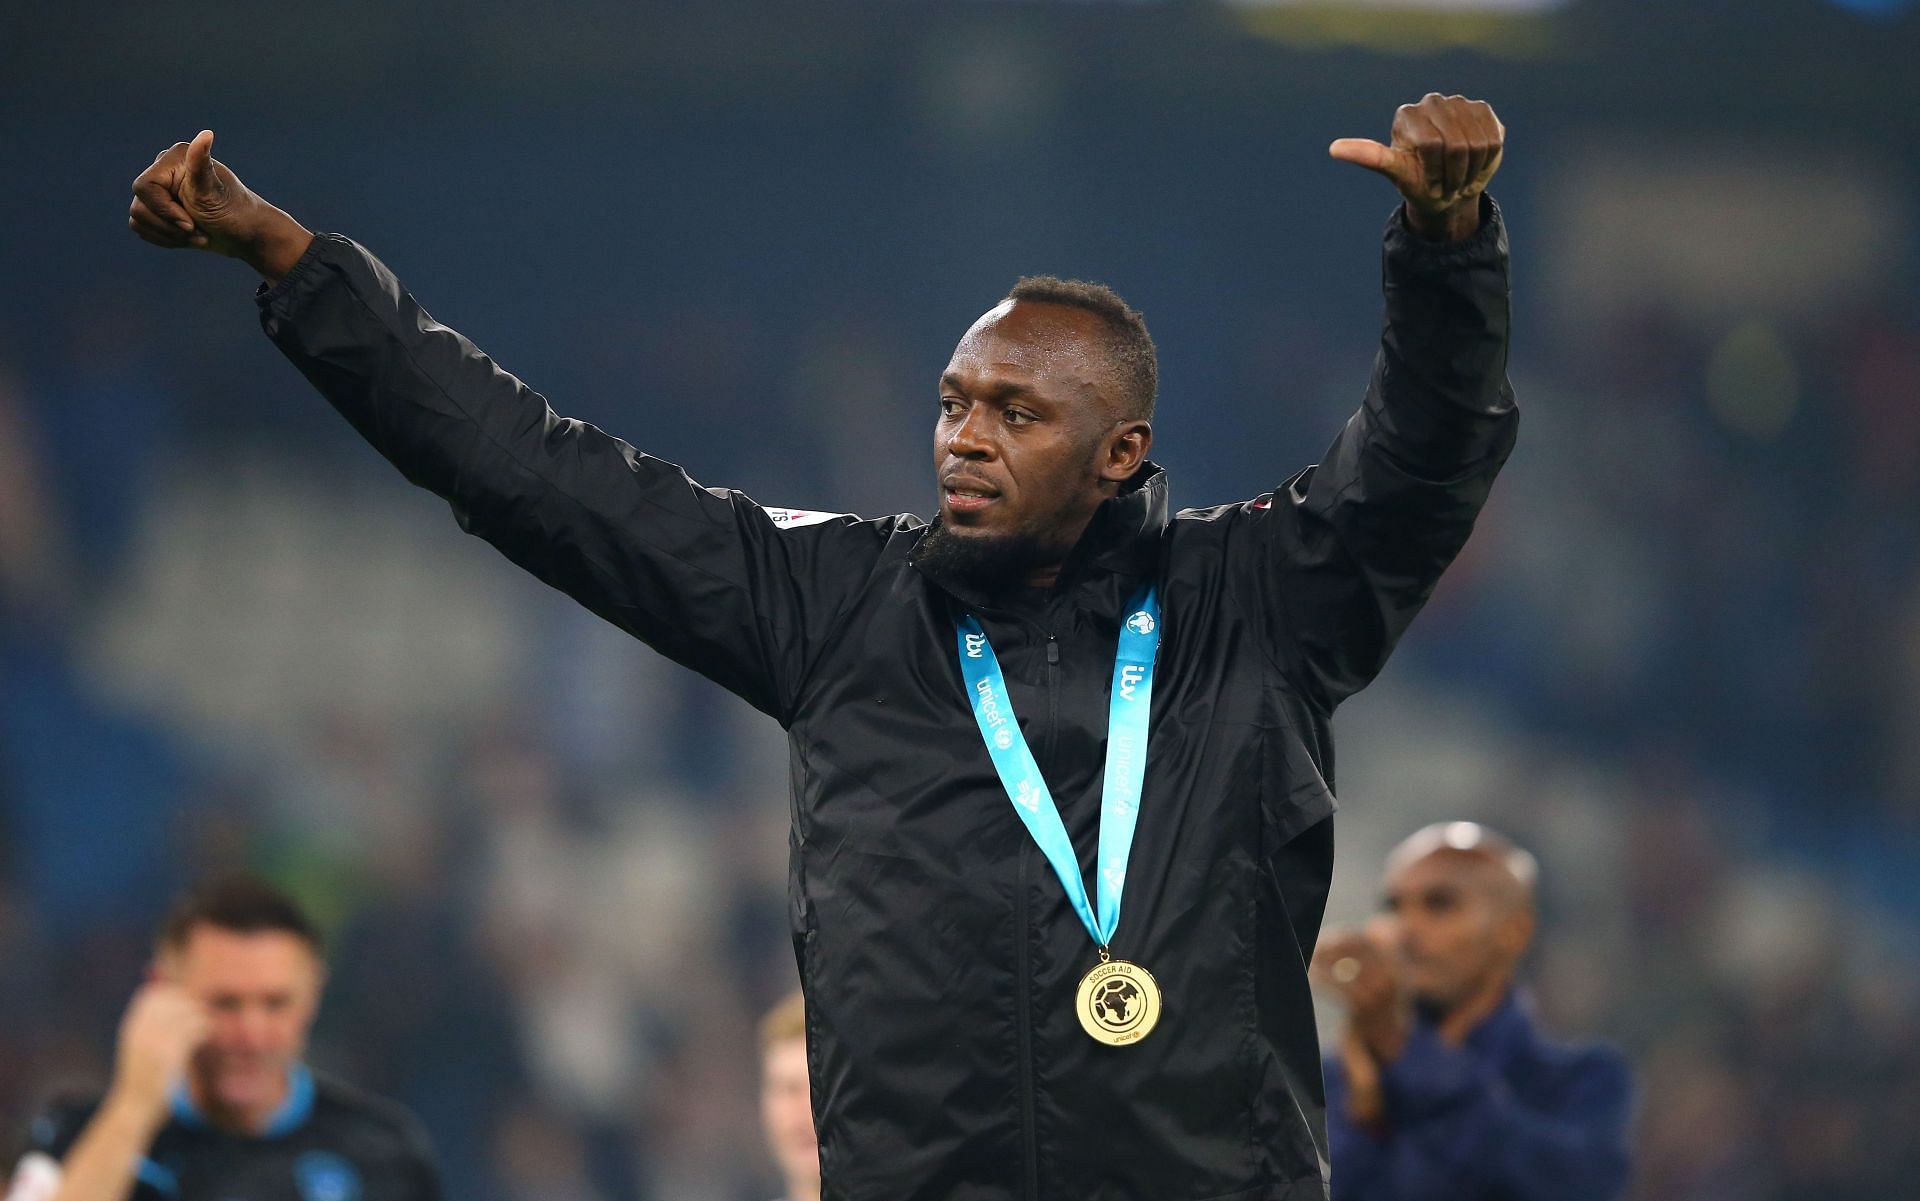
[[1118, 1002]]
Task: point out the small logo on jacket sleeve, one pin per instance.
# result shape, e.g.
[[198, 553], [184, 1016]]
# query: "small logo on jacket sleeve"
[[792, 519], [324, 1176]]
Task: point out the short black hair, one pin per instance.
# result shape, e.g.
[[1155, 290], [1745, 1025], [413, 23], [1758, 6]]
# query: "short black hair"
[[1128, 342], [241, 904]]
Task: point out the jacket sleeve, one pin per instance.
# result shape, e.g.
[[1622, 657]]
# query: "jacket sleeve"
[[705, 576], [1453, 1118], [1356, 544], [423, 1166]]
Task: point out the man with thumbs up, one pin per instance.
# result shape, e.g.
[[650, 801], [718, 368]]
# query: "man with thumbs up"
[[1061, 757]]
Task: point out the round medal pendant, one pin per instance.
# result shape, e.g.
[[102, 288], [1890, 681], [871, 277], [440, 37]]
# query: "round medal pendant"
[[1118, 1002]]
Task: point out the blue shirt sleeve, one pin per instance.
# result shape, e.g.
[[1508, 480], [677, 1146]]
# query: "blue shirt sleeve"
[[1386, 1165], [1458, 1129], [1358, 1155]]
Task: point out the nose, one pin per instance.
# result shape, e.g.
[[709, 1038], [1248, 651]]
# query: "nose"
[[968, 439], [250, 1032]]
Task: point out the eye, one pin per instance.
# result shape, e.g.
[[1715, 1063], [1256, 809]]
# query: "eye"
[[952, 406], [1019, 417]]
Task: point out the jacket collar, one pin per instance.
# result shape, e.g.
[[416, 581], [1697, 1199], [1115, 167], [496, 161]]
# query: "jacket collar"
[[292, 1114], [1122, 539], [1506, 1031]]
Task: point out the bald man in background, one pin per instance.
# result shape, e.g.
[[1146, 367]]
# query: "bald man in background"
[[1442, 1087]]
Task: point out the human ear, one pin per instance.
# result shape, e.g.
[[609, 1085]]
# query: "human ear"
[[1516, 933], [1127, 446]]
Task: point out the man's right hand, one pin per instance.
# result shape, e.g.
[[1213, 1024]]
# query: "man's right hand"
[[163, 1027], [1361, 968], [188, 198]]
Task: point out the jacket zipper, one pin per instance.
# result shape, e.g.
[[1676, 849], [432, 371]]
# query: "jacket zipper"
[[1031, 1142], [1029, 1152]]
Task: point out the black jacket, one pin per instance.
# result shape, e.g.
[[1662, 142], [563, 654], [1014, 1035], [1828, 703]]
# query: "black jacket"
[[937, 949]]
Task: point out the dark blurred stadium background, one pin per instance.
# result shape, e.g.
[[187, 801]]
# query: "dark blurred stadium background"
[[1681, 658]]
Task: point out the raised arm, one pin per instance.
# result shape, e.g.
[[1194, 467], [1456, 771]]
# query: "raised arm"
[[189, 199], [1435, 1124], [1358, 542], [705, 576], [105, 1158], [1463, 1122]]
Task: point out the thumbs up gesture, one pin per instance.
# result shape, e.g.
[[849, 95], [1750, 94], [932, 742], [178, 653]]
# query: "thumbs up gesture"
[[1444, 151], [188, 198]]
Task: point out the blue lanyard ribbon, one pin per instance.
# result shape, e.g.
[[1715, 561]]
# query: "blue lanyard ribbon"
[[1126, 758]]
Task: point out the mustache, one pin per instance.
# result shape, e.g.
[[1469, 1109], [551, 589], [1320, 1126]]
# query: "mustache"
[[955, 481]]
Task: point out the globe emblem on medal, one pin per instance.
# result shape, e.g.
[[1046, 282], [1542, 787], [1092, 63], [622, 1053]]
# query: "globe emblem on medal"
[[1117, 1003], [1003, 738], [1141, 622]]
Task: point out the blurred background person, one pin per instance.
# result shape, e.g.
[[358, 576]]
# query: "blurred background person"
[[1443, 1086], [786, 1101], [211, 1095]]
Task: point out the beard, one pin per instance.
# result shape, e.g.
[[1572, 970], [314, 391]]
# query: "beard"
[[990, 562]]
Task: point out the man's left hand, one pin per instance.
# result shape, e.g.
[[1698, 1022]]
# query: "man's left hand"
[[1445, 149]]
